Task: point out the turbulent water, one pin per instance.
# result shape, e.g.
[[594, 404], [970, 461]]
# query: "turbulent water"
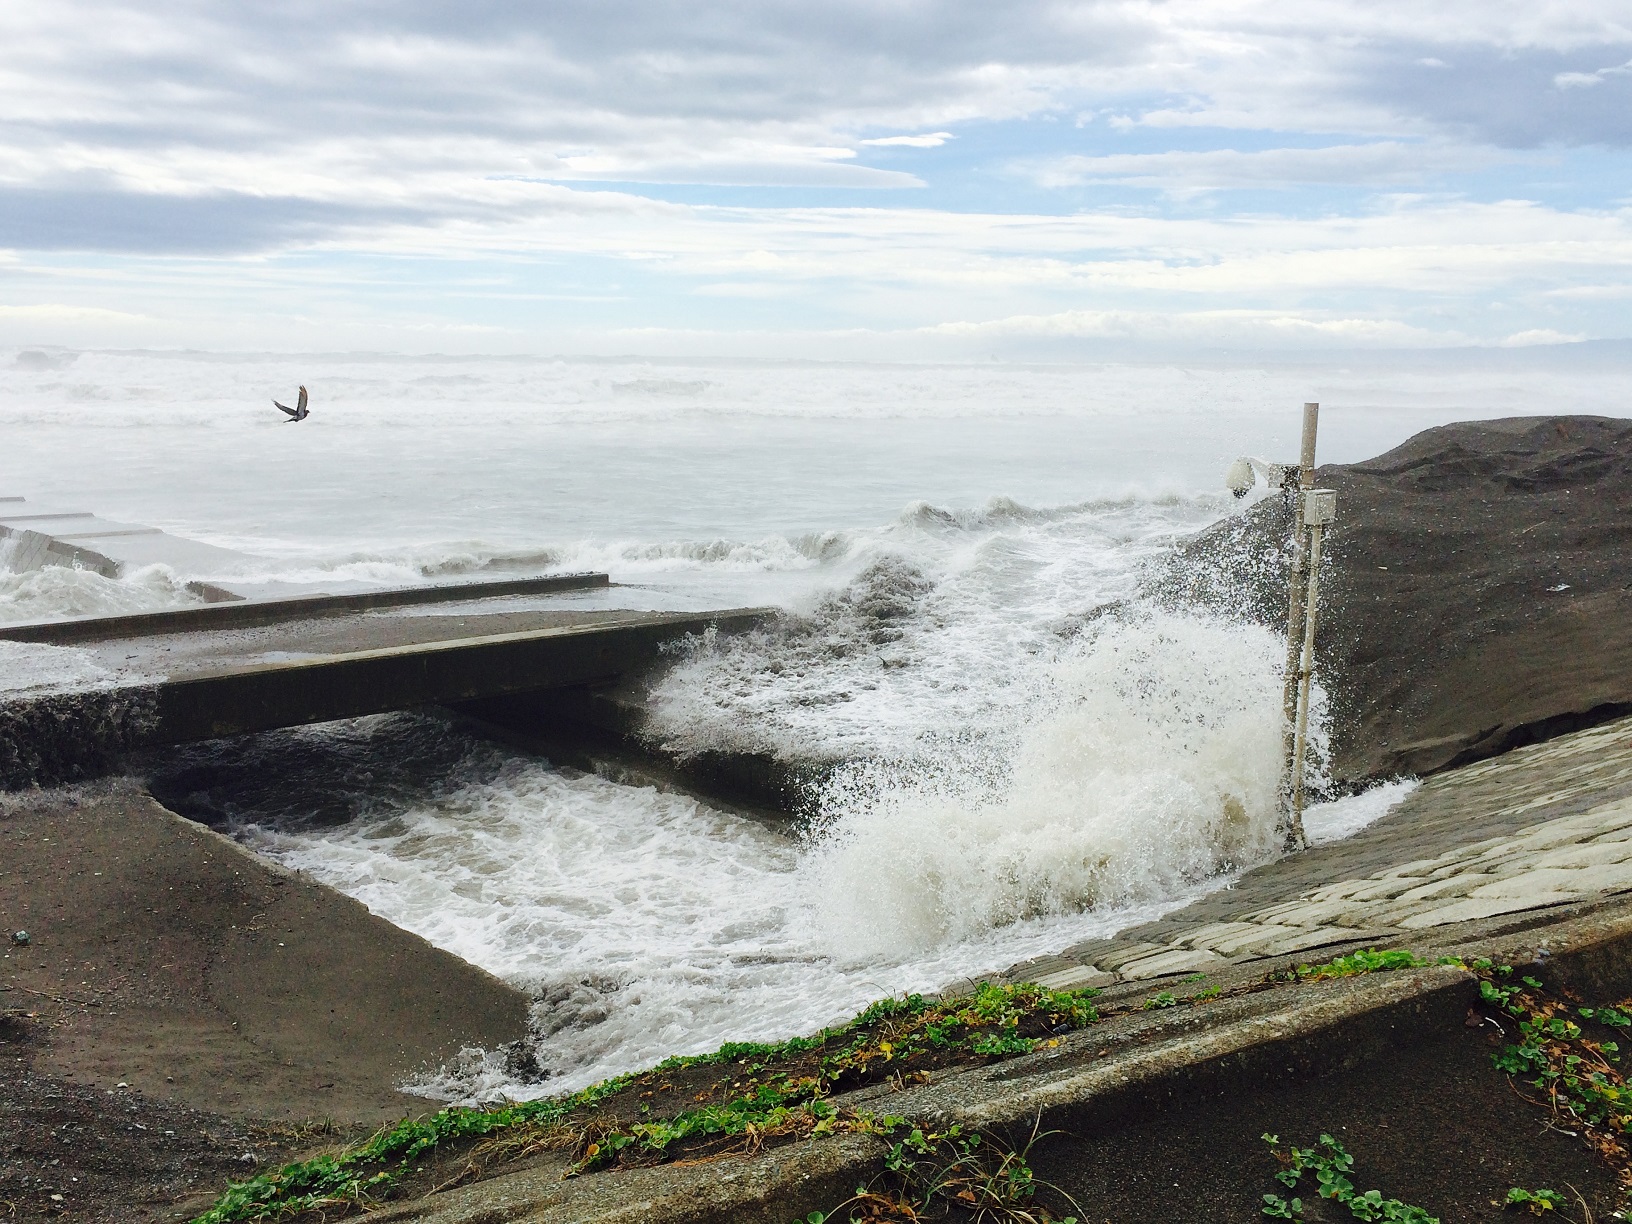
[[1018, 769]]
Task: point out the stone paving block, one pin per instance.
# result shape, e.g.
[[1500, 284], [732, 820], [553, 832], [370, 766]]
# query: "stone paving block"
[[1605, 816], [1303, 913], [1450, 886], [1375, 915], [1114, 960], [1343, 890], [1174, 960], [1471, 855], [1084, 977], [1540, 882], [1029, 971], [1319, 937], [1471, 909], [1272, 913], [1395, 913], [1420, 867], [1609, 817], [1204, 937], [1502, 861], [1384, 889], [1605, 878], [1247, 940], [1089, 950], [1547, 836], [1587, 854]]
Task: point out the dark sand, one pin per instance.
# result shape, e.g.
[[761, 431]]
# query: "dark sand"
[[1433, 1124], [165, 957], [1443, 638]]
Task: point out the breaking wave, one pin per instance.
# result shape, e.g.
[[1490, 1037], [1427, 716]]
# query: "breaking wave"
[[56, 591], [1150, 763]]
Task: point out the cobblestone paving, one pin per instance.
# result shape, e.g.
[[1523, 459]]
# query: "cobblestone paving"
[[1546, 825]]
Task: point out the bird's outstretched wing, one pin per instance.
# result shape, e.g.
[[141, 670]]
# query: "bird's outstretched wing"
[[300, 404], [284, 407]]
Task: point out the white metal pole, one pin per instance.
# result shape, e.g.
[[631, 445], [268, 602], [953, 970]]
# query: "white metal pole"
[[1291, 814], [1306, 671]]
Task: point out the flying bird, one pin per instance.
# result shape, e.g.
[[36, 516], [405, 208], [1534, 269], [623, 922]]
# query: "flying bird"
[[299, 412]]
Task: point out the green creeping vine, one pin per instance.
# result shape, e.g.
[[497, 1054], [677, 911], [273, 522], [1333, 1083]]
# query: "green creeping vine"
[[1578, 1075], [867, 1049], [928, 1169], [1539, 1202], [891, 1031], [344, 1178], [1367, 960], [1331, 1166]]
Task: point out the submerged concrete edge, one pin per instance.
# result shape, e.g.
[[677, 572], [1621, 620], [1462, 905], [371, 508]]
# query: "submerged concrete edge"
[[251, 613]]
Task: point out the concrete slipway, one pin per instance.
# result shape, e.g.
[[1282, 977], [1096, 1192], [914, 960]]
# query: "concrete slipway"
[[1539, 868]]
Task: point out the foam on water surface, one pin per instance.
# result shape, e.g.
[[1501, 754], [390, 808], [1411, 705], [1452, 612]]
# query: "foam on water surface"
[[54, 592], [644, 924], [32, 669]]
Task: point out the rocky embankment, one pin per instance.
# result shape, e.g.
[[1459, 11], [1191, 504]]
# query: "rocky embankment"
[[1476, 590]]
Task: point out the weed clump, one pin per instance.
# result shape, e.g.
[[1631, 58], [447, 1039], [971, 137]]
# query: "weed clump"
[[1331, 1165], [1577, 1074], [1367, 960], [927, 1170]]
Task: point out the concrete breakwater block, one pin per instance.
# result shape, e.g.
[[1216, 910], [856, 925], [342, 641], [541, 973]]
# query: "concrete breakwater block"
[[79, 539]]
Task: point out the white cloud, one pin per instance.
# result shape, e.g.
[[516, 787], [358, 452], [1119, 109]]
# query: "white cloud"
[[1586, 293], [1260, 328], [932, 140], [58, 312], [1381, 163], [206, 154], [1540, 335], [1586, 80]]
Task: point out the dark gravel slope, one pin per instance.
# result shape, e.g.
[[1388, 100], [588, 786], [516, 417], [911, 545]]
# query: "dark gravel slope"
[[1477, 592]]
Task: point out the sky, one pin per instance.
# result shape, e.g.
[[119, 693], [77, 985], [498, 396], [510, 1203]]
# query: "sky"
[[858, 177]]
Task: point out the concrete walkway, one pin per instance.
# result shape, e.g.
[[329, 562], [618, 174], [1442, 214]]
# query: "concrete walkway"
[[1544, 826]]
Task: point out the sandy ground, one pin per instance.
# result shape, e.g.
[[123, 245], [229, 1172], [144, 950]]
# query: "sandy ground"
[[167, 964]]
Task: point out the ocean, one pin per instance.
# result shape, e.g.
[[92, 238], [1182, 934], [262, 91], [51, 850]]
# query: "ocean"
[[939, 533]]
